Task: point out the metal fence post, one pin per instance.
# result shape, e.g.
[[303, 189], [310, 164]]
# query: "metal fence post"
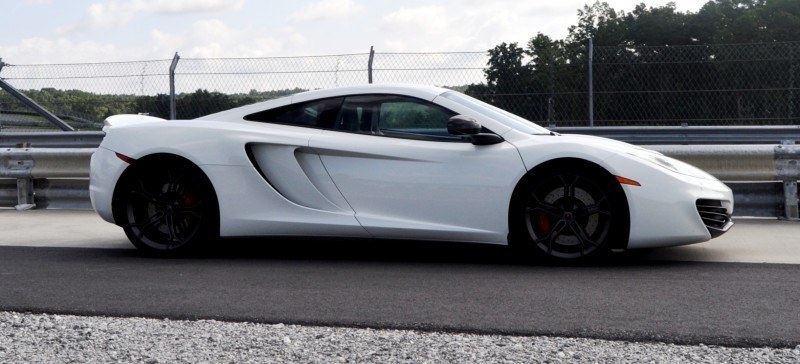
[[24, 184], [791, 204], [172, 67], [25, 194], [787, 166], [591, 88], [369, 64]]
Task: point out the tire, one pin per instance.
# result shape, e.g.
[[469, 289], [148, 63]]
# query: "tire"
[[168, 209], [570, 214]]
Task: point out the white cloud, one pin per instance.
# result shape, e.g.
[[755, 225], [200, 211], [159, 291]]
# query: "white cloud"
[[213, 38], [186, 6], [117, 14], [431, 19], [163, 43], [326, 9], [462, 25], [34, 50], [215, 30], [109, 15], [208, 50]]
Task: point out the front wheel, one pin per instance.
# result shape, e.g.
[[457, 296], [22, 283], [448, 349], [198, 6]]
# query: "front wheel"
[[168, 209], [570, 214]]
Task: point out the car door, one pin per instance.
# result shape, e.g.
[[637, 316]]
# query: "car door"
[[310, 202], [405, 177]]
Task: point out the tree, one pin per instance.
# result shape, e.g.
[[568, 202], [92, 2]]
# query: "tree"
[[638, 66], [507, 75]]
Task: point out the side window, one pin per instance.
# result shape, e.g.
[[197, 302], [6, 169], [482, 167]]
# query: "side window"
[[395, 116], [317, 114]]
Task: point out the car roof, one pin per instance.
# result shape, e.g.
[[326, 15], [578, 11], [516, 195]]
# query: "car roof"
[[419, 91]]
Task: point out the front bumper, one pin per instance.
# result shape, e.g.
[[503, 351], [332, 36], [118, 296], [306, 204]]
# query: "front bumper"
[[664, 210]]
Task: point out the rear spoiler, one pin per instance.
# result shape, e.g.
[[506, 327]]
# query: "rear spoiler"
[[128, 119]]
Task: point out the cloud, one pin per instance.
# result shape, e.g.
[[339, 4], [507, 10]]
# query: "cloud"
[[34, 50], [163, 43], [431, 19], [326, 9], [463, 25], [109, 15], [212, 38], [117, 14], [187, 6]]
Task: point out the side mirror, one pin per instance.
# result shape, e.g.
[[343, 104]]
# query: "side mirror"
[[470, 128], [463, 125]]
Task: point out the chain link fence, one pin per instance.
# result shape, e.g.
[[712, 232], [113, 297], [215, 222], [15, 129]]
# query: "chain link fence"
[[83, 94], [740, 84], [552, 95], [736, 84]]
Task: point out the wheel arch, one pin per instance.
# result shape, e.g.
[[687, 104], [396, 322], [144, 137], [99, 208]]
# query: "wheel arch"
[[555, 164], [158, 158]]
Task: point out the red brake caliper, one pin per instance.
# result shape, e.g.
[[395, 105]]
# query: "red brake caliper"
[[188, 201], [544, 222]]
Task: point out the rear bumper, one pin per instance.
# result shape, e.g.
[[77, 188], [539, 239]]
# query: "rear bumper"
[[105, 170]]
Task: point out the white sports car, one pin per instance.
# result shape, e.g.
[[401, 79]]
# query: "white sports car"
[[394, 162]]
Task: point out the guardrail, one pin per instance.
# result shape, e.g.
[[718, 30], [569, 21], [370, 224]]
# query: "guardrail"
[[45, 177], [692, 135], [679, 135], [52, 170], [76, 139], [763, 177]]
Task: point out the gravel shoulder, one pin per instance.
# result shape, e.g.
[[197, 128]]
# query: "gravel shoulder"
[[42, 338]]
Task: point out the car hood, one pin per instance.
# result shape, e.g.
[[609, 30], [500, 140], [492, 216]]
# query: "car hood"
[[611, 145], [601, 150]]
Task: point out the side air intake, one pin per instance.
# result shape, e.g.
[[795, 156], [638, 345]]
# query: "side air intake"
[[715, 216]]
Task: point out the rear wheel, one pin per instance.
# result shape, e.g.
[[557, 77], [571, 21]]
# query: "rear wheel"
[[570, 214], [168, 209]]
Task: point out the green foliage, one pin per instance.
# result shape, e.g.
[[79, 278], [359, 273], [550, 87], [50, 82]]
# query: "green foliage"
[[95, 108], [75, 103], [547, 80], [202, 102]]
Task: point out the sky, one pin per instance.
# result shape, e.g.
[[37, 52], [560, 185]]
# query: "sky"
[[79, 31]]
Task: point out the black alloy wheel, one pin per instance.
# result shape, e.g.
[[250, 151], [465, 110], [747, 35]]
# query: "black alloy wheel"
[[571, 215], [169, 209]]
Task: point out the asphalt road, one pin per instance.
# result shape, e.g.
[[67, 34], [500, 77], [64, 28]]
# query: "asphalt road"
[[451, 287]]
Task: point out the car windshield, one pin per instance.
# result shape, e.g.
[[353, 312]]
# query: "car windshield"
[[496, 113]]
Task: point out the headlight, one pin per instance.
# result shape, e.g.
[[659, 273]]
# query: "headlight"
[[674, 165], [664, 162]]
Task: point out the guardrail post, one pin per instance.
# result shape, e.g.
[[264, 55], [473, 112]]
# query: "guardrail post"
[[25, 194], [788, 165], [791, 204], [24, 184]]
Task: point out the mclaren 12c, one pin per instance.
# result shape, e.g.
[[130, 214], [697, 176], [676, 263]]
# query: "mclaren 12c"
[[394, 162]]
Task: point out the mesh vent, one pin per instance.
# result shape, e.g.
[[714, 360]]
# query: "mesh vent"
[[715, 217]]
